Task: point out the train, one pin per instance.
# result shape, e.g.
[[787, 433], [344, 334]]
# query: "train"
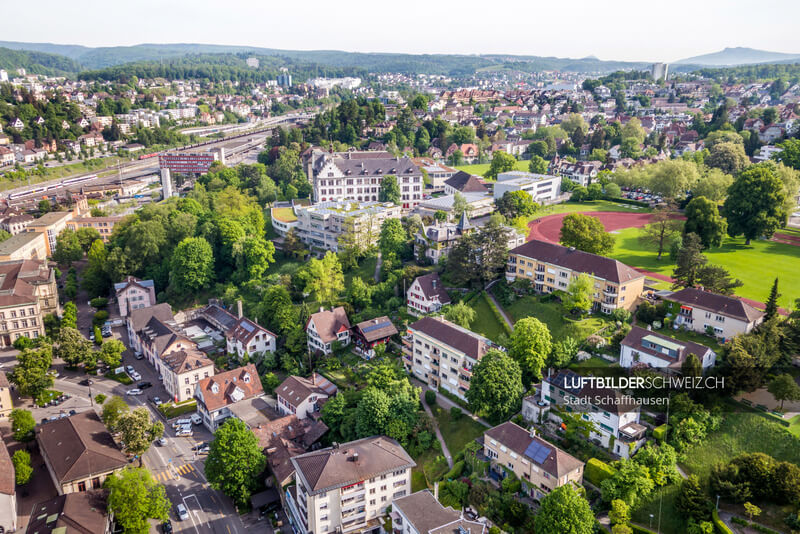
[[52, 186]]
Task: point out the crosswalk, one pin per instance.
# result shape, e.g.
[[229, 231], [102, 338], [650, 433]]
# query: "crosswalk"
[[174, 474]]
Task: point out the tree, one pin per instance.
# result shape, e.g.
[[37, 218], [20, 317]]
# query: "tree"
[[516, 204], [691, 366], [703, 219], [530, 345], [481, 255], [68, 247], [44, 206], [717, 279], [22, 467], [460, 314], [755, 205], [135, 497], [192, 265], [580, 293], [620, 512], [751, 510], [324, 278], [113, 411], [538, 165], [565, 511], [612, 190], [234, 461], [714, 185], [501, 162], [393, 238], [72, 347], [460, 205], [771, 308], [440, 216], [69, 319], [564, 350], [633, 129], [390, 190], [790, 155], [662, 231], [689, 261], [691, 500], [22, 424], [496, 386], [595, 191], [137, 431], [661, 460], [586, 233], [111, 352], [784, 388], [729, 157], [30, 374], [86, 236], [372, 412], [630, 483]]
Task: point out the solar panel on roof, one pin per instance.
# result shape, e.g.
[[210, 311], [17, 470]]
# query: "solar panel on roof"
[[537, 452], [372, 327], [247, 326]]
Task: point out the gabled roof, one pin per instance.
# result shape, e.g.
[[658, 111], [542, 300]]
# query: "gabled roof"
[[432, 286], [540, 452], [424, 512], [578, 260], [7, 480], [329, 322], [466, 183], [244, 330], [351, 463], [378, 328], [140, 317], [82, 512], [296, 389], [78, 447], [182, 361], [721, 304], [132, 281], [472, 344], [286, 437], [230, 387]]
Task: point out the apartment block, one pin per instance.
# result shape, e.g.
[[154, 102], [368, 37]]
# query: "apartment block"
[[442, 354], [348, 487], [104, 225], [703, 311], [551, 267], [28, 293], [324, 225], [50, 225]]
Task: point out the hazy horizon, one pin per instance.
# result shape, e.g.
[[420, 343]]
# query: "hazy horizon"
[[626, 31]]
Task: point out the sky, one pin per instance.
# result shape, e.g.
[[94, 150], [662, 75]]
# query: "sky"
[[632, 30]]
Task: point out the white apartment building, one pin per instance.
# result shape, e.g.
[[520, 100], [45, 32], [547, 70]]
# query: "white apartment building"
[[542, 188], [442, 354], [703, 311], [322, 225], [645, 348], [347, 488]]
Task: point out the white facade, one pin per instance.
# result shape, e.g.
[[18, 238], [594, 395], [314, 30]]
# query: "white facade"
[[541, 187], [419, 303]]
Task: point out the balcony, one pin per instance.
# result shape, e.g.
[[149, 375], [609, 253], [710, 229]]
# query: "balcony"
[[434, 363], [463, 383], [354, 490], [467, 372], [610, 292]]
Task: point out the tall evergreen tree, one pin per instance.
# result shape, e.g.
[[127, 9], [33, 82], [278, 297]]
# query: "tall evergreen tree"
[[772, 301]]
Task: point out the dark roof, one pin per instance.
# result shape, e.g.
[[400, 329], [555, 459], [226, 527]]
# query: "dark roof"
[[286, 437], [244, 330], [296, 389], [375, 329], [335, 467], [181, 361], [721, 304], [79, 447], [242, 382], [466, 183], [557, 462], [635, 336], [140, 317], [578, 260], [131, 280], [216, 314], [432, 286], [81, 512], [4, 380], [461, 339], [424, 512], [7, 479], [368, 164]]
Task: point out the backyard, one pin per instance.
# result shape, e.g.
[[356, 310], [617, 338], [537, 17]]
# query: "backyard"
[[485, 322], [481, 168], [553, 315], [457, 432]]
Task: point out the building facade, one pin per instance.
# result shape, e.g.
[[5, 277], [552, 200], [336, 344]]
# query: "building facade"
[[304, 397], [542, 188], [706, 312], [426, 295], [187, 163], [329, 225], [133, 294], [645, 348], [24, 246], [327, 327], [28, 293]]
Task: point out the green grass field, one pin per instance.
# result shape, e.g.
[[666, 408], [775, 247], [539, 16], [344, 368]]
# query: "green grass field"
[[756, 264], [590, 206], [552, 314], [481, 168], [456, 432], [485, 322]]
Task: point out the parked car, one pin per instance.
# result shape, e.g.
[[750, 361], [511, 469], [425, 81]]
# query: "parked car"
[[130, 369], [72, 412], [134, 391], [162, 441], [157, 401], [136, 376], [196, 419], [181, 512], [138, 355], [166, 527], [86, 382], [184, 433], [203, 450], [144, 385], [181, 422]]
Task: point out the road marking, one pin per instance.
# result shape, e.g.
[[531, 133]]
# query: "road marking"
[[193, 512], [228, 529]]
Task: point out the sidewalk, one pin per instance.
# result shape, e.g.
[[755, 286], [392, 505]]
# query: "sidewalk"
[[446, 403], [500, 309], [445, 450]]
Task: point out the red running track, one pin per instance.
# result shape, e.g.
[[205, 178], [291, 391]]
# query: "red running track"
[[549, 228]]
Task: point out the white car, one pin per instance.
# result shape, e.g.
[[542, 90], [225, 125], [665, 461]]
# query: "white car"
[[184, 433], [181, 512], [134, 391], [196, 419], [130, 369], [181, 422], [136, 376]]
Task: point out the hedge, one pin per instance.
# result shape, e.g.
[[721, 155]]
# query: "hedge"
[[636, 529], [497, 314], [659, 433], [456, 471], [596, 471], [719, 526], [628, 201]]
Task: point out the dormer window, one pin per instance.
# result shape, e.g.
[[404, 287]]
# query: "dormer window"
[[247, 377], [214, 388]]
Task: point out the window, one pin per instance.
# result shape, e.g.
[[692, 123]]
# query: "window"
[[82, 486], [186, 380], [96, 483]]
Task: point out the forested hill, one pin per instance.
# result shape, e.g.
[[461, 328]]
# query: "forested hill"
[[36, 62]]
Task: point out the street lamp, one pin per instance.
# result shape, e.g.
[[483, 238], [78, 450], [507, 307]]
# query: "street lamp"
[[717, 503], [651, 520]]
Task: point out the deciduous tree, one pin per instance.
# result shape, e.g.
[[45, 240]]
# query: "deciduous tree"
[[530, 345], [783, 388], [565, 511], [324, 278], [586, 233], [755, 205], [138, 431], [501, 162], [496, 386], [580, 293], [703, 219], [460, 314], [22, 424], [390, 189], [234, 461], [135, 497], [662, 231], [192, 265]]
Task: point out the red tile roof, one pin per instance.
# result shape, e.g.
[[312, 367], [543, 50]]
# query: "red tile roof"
[[229, 387]]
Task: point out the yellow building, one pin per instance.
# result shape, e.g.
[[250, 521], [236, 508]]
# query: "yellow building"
[[24, 246], [104, 225], [27, 294], [5, 396], [50, 225]]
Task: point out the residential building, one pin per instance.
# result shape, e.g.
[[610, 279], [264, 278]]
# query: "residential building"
[[358, 176], [580, 172], [187, 163], [464, 182], [437, 173], [645, 348], [367, 334], [182, 369], [8, 493], [543, 188], [16, 223], [50, 225], [6, 155], [24, 246], [133, 294], [327, 327], [347, 488], [6, 404], [766, 152], [218, 395], [426, 295], [283, 438], [79, 452], [304, 397], [615, 416], [551, 267], [103, 225], [28, 293], [435, 241], [540, 465], [329, 225], [659, 71], [442, 354], [478, 204], [248, 337], [283, 217], [74, 513], [703, 311], [422, 513]]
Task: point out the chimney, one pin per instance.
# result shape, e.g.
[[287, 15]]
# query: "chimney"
[[239, 311], [355, 457], [433, 283], [436, 490], [321, 309], [532, 432]]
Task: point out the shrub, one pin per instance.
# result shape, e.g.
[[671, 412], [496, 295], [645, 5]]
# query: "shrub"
[[597, 471], [99, 398], [659, 433], [456, 471], [99, 302], [430, 397], [455, 413], [497, 315], [636, 529], [100, 317], [719, 526], [98, 335]]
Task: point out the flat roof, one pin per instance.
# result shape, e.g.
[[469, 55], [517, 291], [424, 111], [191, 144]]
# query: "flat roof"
[[662, 342]]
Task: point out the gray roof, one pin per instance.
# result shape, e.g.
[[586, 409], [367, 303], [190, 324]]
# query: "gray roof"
[[15, 242], [368, 164], [637, 334], [466, 183], [140, 317], [721, 304], [424, 512], [472, 344], [557, 462]]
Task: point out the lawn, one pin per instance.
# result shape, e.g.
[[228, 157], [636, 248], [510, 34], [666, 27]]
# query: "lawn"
[[366, 270], [745, 262], [283, 265], [171, 410], [481, 168], [485, 322], [552, 314], [456, 432], [284, 214], [661, 503], [590, 206]]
